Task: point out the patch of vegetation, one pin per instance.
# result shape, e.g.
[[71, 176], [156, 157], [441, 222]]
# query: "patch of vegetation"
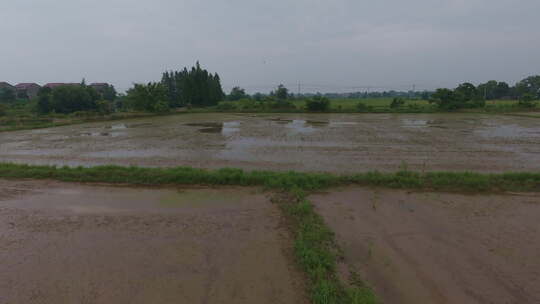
[[317, 253], [397, 103], [443, 181], [318, 104]]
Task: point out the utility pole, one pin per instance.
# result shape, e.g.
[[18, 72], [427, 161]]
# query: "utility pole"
[[299, 88]]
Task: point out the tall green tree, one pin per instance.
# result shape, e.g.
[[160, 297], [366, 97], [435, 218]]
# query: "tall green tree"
[[237, 93], [529, 85], [281, 92], [196, 87]]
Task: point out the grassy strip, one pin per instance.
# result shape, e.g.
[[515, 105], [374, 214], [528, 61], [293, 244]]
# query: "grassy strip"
[[445, 181], [317, 253]]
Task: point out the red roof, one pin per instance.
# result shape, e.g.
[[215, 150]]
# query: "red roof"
[[53, 85], [5, 84], [26, 85]]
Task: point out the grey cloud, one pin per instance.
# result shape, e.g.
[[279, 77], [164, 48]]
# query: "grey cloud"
[[257, 44]]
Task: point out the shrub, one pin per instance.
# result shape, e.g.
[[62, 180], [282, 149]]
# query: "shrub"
[[226, 106], [527, 101], [362, 107], [397, 102], [161, 106], [281, 105], [3, 109], [318, 104], [104, 106]]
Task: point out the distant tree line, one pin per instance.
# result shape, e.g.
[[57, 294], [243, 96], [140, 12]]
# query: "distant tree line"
[[466, 95], [491, 90]]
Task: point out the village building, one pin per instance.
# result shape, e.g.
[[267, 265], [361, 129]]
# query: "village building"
[[27, 90], [5, 85], [53, 85]]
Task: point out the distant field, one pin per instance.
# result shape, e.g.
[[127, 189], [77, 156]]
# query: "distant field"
[[383, 104]]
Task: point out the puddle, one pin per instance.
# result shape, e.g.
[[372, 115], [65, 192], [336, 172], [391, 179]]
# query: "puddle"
[[230, 127], [118, 127], [342, 123], [414, 123], [504, 131], [226, 128], [102, 134], [300, 126]]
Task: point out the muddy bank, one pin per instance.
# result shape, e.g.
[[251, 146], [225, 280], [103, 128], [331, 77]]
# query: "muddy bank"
[[68, 243], [437, 247], [303, 142]]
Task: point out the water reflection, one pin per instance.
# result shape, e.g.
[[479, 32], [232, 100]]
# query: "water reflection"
[[504, 131], [225, 128]]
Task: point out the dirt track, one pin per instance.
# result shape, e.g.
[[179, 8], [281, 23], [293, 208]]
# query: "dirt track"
[[439, 248], [69, 243]]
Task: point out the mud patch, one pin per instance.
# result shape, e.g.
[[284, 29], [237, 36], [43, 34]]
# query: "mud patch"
[[439, 247], [68, 243]]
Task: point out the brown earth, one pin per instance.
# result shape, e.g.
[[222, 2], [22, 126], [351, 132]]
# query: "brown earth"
[[340, 143], [416, 247], [70, 243]]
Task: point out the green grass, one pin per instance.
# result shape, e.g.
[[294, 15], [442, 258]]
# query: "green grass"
[[441, 181], [315, 248], [372, 105], [317, 254]]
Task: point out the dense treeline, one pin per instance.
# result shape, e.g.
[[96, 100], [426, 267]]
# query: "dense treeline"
[[72, 98], [67, 99], [466, 95], [192, 88], [196, 87]]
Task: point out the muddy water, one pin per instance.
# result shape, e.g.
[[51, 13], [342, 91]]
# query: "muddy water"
[[439, 247], [68, 243], [304, 142]]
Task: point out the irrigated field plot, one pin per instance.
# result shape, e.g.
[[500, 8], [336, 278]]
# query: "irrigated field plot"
[[70, 243], [424, 247], [303, 142]]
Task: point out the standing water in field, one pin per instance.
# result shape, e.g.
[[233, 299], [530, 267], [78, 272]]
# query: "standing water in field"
[[305, 142]]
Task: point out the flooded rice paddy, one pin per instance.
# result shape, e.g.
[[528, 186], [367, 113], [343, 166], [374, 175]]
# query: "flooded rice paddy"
[[305, 142], [71, 243], [425, 247]]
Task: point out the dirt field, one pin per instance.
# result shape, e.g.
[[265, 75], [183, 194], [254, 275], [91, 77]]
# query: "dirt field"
[[303, 142], [70, 243], [439, 248]]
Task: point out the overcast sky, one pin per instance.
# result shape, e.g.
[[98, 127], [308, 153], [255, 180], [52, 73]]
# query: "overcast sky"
[[325, 45]]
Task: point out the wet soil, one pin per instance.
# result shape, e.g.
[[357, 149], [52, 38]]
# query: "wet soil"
[[340, 143], [439, 247], [70, 243]]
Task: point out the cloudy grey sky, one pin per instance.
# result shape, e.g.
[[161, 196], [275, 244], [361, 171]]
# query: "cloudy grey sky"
[[327, 45]]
